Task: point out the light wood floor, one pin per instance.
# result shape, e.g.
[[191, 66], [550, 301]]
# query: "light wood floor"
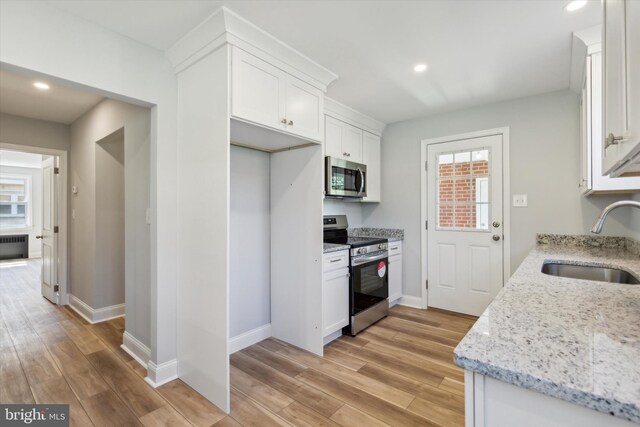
[[398, 372]]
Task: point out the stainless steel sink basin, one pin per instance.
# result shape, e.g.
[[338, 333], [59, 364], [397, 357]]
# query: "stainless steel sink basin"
[[589, 272]]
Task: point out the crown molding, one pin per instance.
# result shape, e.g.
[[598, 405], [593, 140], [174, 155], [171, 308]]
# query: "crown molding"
[[226, 27], [585, 42], [347, 114]]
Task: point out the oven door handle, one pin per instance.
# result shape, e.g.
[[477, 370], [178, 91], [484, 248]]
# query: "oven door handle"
[[361, 189], [365, 259]]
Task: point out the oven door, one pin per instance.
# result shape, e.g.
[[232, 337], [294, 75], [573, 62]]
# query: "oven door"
[[344, 178], [369, 281]]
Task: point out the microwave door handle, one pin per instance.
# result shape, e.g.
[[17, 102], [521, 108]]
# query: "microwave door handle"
[[361, 181]]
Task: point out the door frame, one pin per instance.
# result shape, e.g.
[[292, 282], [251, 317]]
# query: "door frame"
[[63, 259], [506, 197]]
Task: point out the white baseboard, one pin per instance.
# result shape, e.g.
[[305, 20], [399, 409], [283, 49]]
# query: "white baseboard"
[[251, 337], [409, 301], [97, 315], [333, 336], [158, 375], [136, 349]]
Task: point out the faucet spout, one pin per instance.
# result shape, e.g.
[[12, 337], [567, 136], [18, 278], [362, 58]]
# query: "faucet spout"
[[597, 227]]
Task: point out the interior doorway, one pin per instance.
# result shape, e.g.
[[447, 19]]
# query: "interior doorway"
[[466, 215], [33, 222]]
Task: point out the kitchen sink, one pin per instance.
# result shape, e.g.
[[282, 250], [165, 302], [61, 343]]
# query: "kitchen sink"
[[589, 272]]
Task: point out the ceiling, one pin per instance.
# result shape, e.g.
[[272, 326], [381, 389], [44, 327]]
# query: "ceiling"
[[478, 51], [59, 104]]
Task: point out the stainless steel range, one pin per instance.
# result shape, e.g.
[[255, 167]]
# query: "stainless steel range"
[[369, 278]]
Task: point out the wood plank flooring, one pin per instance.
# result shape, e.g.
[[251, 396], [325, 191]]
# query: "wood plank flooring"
[[398, 372]]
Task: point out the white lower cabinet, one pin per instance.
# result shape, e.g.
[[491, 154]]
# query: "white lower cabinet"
[[490, 402], [335, 292], [395, 272]]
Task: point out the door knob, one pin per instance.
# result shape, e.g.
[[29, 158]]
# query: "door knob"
[[39, 237], [495, 237], [496, 224], [611, 139]]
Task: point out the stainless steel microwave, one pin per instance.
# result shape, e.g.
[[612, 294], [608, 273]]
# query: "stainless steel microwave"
[[344, 178]]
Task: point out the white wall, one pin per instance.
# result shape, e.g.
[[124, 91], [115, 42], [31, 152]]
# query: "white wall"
[[35, 246], [249, 241], [38, 37], [36, 133], [544, 132], [110, 220], [353, 210], [86, 264]]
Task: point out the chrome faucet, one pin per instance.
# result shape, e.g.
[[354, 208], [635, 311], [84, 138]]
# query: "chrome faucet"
[[597, 227]]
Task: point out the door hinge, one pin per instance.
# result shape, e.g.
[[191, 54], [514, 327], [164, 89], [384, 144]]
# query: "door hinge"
[[55, 229], [426, 167], [56, 288], [56, 171], [426, 224], [426, 284]]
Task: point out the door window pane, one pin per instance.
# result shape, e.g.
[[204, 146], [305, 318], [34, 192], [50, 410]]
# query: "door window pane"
[[463, 190]]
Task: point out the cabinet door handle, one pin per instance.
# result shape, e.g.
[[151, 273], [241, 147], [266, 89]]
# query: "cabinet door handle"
[[290, 123], [611, 140], [283, 121]]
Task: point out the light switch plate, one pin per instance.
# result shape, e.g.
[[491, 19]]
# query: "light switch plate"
[[520, 201]]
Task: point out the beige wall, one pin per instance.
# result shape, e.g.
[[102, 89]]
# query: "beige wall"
[[86, 263], [36, 133], [544, 132], [110, 221]]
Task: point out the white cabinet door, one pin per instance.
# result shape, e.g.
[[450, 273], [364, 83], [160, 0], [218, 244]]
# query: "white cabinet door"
[[395, 278], [333, 137], [352, 143], [621, 81], [371, 158], [257, 91], [342, 140], [304, 109], [335, 301], [395, 271]]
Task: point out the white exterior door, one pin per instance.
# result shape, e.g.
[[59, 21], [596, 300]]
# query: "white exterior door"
[[49, 237], [465, 213]]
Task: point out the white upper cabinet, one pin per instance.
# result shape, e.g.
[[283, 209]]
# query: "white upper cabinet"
[[342, 140], [304, 109], [257, 91], [621, 133], [264, 94], [592, 179], [371, 158]]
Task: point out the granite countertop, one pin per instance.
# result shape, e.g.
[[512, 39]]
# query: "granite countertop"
[[334, 247], [576, 340], [393, 234]]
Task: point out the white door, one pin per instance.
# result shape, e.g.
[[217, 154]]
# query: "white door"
[[464, 208], [49, 236], [257, 91], [304, 110]]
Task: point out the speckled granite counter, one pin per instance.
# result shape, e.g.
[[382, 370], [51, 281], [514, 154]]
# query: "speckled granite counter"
[[334, 247], [393, 234], [576, 340]]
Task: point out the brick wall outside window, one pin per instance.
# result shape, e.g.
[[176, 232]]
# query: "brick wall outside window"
[[461, 212]]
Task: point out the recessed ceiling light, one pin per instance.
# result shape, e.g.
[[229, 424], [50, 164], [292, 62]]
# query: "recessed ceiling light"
[[575, 5], [420, 68], [41, 85]]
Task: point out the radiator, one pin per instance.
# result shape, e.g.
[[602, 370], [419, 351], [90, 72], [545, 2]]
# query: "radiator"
[[14, 246]]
